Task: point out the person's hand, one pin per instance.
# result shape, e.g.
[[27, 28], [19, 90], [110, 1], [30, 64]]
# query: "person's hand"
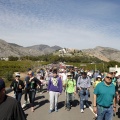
[[59, 94], [20, 87], [95, 110], [114, 109], [75, 92]]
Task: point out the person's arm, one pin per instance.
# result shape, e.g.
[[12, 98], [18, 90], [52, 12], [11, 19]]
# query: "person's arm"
[[114, 104], [74, 86], [12, 85], [49, 83], [78, 83], [94, 104]]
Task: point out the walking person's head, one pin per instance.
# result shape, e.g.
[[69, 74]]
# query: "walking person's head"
[[54, 73], [84, 74], [30, 73], [108, 78], [17, 76], [69, 75], [99, 78]]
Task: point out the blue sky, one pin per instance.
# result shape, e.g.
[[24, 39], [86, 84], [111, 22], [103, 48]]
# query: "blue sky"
[[79, 24]]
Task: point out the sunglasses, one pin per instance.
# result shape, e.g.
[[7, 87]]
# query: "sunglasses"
[[109, 77], [17, 76]]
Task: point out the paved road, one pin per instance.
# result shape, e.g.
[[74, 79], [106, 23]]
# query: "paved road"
[[42, 107]]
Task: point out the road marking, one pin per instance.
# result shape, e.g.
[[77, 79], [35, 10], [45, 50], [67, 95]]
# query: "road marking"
[[91, 109]]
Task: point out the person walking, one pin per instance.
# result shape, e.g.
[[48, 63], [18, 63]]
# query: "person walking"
[[104, 99], [17, 85], [10, 109], [54, 89], [97, 81], [83, 84], [26, 91], [32, 86], [70, 88]]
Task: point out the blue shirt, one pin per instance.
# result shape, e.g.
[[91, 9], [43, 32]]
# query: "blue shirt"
[[105, 94], [83, 82]]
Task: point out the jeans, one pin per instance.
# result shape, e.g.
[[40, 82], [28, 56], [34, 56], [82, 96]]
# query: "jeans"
[[25, 94], [69, 99], [104, 113], [83, 97], [32, 94], [18, 96]]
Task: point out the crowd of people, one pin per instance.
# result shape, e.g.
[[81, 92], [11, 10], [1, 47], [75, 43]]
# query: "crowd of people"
[[70, 82]]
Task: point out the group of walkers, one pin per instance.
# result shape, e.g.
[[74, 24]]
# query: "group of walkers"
[[68, 82]]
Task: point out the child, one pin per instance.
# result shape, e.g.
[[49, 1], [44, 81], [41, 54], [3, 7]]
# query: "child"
[[98, 80]]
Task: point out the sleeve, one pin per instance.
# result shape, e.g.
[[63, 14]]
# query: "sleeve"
[[49, 83], [18, 112], [12, 84], [60, 85], [22, 83], [78, 82], [89, 82]]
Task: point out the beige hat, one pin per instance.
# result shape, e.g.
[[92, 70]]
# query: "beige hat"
[[68, 74], [17, 74]]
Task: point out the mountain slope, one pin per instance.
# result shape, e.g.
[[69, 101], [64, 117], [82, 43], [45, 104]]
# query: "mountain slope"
[[8, 49], [104, 53]]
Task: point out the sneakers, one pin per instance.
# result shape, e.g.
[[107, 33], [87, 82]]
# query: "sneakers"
[[50, 111], [82, 111], [84, 106], [68, 109], [56, 110]]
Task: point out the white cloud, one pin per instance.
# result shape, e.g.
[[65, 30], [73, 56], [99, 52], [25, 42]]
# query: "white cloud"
[[82, 30]]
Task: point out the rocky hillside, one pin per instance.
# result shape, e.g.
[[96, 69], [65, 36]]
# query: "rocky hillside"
[[104, 53], [45, 48], [11, 49], [7, 49]]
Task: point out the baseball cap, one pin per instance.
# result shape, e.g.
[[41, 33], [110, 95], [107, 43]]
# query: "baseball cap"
[[2, 84], [99, 76], [69, 74], [17, 74]]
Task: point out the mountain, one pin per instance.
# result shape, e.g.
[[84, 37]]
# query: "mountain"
[[9, 49], [104, 53], [45, 48]]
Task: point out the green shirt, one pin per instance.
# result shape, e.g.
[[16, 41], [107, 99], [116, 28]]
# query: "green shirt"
[[70, 85], [105, 94]]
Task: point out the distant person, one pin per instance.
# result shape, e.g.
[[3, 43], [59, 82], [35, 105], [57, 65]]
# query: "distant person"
[[70, 88], [32, 86], [83, 84], [17, 85], [97, 81], [54, 89], [26, 92], [104, 99], [10, 108]]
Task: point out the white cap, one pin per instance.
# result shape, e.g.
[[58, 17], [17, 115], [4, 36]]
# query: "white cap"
[[17, 74], [99, 76]]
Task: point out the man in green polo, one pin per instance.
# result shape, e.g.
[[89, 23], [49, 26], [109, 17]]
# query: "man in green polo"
[[104, 99]]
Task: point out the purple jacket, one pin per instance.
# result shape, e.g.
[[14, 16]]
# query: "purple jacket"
[[55, 84]]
